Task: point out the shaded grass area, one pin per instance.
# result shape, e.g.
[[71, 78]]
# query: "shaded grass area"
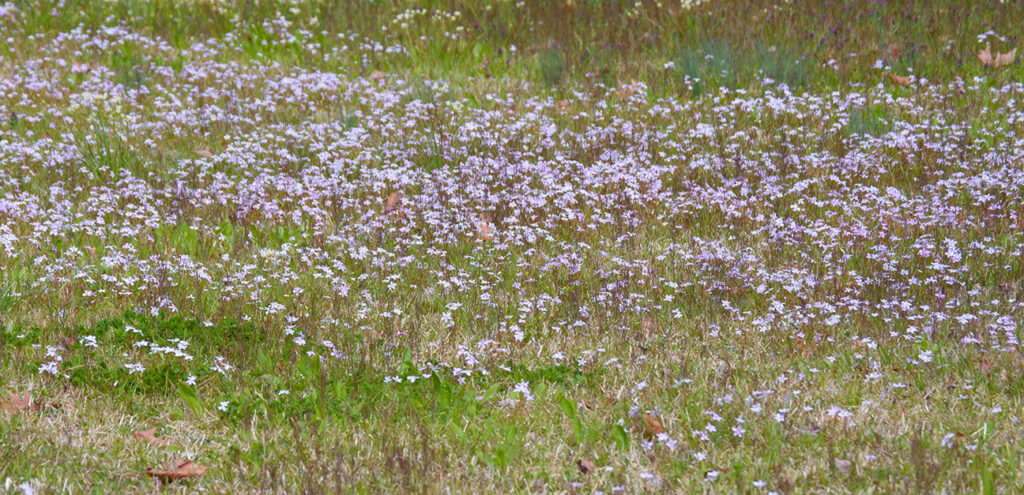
[[562, 44], [288, 402]]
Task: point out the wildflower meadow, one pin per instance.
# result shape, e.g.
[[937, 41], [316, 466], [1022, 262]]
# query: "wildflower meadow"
[[579, 246]]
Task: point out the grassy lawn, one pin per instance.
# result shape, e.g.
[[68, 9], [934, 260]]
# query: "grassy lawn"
[[511, 247]]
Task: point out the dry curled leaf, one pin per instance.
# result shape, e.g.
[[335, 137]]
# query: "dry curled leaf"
[[1006, 58], [842, 465], [391, 205], [985, 56], [998, 60], [901, 80], [647, 329], [150, 436], [180, 470], [649, 326], [626, 90], [16, 403], [895, 50], [392, 202], [585, 465], [652, 426], [484, 226]]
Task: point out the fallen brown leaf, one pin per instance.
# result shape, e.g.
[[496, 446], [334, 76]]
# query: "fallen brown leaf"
[[895, 50], [150, 436], [1006, 58], [901, 80], [77, 68], [985, 56], [999, 60], [652, 426], [16, 403], [485, 229], [585, 465], [393, 200], [180, 470], [844, 466], [649, 326], [626, 90]]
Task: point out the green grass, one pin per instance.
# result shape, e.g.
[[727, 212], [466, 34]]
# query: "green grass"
[[868, 122]]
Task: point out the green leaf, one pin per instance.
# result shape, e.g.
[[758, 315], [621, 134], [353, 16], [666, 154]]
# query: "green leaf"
[[540, 390], [314, 365], [492, 392], [485, 458], [621, 437], [188, 394], [569, 407], [988, 480]]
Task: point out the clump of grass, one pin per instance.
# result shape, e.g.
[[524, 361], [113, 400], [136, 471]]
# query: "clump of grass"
[[103, 149], [708, 64], [868, 121], [129, 65], [551, 64], [717, 63], [795, 70]]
